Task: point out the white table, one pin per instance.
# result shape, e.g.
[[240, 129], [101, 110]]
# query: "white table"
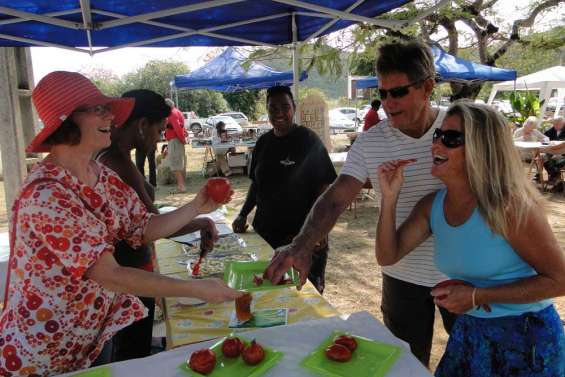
[[338, 158], [295, 341]]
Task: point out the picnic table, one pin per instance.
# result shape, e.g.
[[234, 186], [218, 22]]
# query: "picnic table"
[[198, 322]]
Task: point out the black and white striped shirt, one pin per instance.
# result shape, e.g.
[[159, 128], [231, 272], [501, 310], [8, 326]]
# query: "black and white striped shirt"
[[383, 143]]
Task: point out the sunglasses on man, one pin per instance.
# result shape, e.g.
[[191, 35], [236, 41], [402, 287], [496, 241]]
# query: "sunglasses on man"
[[399, 91], [449, 138]]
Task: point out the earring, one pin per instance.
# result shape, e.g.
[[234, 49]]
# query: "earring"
[[140, 132]]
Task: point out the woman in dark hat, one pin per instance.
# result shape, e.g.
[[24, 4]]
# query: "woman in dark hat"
[[66, 293], [142, 131]]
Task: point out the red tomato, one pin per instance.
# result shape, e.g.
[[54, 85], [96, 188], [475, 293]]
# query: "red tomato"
[[232, 347], [447, 283], [337, 352], [347, 341], [202, 361], [219, 189], [253, 354]]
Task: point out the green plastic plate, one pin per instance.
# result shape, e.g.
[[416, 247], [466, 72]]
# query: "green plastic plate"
[[370, 359], [236, 367], [239, 275], [98, 372]]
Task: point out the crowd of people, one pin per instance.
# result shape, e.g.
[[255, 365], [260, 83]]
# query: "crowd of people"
[[455, 203]]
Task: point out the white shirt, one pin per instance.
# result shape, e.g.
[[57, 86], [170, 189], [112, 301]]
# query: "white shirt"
[[383, 143]]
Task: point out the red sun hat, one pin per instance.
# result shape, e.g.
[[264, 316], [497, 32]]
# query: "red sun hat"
[[59, 93]]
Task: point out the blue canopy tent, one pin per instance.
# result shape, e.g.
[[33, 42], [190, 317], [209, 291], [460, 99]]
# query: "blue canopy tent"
[[113, 24], [227, 74], [96, 26], [453, 69]]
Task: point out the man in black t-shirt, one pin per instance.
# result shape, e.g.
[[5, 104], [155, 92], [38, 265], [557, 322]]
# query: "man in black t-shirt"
[[290, 168]]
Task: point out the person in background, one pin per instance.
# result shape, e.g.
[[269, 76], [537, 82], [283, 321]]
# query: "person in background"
[[554, 159], [290, 168], [529, 131], [221, 152], [140, 156], [372, 116], [176, 137], [406, 75], [142, 130], [557, 130], [66, 294], [491, 232]]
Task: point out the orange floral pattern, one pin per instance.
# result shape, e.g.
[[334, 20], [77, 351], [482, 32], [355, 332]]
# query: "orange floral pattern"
[[56, 319]]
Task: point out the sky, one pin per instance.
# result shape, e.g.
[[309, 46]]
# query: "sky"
[[48, 59]]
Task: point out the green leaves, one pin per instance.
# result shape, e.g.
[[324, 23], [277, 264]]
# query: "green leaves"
[[526, 104]]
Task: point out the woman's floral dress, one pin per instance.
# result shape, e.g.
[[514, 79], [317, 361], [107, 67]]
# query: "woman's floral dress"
[[57, 320]]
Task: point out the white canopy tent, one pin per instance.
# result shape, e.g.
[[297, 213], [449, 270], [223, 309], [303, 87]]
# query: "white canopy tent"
[[544, 81]]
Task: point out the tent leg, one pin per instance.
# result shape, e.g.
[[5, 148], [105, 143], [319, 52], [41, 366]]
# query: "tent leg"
[[295, 65], [15, 113]]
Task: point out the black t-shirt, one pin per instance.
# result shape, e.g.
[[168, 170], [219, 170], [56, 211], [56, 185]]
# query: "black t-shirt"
[[288, 173], [552, 134]]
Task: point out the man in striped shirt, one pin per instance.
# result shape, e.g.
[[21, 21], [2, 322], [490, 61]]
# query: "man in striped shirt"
[[406, 79]]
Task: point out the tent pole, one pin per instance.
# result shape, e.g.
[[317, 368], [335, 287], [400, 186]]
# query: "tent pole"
[[295, 60], [177, 97]]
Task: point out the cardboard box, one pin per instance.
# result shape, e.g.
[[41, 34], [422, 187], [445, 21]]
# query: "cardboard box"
[[237, 160]]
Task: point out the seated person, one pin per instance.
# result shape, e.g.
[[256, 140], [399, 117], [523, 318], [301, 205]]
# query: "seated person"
[[557, 131], [529, 131], [220, 151], [555, 153]]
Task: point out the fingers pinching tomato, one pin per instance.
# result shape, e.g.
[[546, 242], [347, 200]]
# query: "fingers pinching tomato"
[[219, 190]]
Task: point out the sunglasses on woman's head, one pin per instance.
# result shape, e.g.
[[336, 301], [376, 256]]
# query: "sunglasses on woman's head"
[[449, 138], [399, 91]]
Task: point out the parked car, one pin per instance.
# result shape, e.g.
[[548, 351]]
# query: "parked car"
[[340, 123], [231, 125], [350, 113], [192, 122], [240, 118], [553, 102]]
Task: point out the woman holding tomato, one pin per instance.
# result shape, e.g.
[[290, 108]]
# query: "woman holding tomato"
[[290, 168], [491, 232], [67, 295]]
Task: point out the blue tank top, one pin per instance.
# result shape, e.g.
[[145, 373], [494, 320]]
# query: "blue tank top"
[[473, 253]]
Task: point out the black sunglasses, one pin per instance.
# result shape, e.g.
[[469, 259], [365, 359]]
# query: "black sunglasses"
[[399, 91], [449, 138]]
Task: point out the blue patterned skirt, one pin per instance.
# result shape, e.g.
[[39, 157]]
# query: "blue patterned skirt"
[[532, 344]]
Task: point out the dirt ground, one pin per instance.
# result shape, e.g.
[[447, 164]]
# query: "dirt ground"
[[353, 280]]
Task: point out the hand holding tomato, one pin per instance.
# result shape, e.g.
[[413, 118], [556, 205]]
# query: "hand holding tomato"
[[219, 189], [456, 296], [204, 202]]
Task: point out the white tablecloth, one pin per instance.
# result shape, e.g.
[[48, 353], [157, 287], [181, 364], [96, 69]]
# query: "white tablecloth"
[[295, 341], [338, 158], [535, 144]]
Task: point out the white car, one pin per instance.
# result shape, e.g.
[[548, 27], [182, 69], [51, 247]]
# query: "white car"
[[553, 102], [340, 123], [350, 112], [240, 118], [231, 125]]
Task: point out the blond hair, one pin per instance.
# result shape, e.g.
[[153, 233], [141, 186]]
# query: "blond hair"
[[496, 175]]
